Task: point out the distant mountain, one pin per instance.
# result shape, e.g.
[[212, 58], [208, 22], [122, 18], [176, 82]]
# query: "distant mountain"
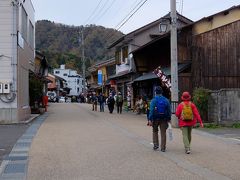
[[60, 43]]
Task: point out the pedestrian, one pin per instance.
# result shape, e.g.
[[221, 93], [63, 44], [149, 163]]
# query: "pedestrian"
[[139, 105], [119, 102], [188, 116], [111, 103], [94, 101], [159, 116], [101, 100]]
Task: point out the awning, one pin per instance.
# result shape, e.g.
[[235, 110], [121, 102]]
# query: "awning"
[[119, 75], [166, 71]]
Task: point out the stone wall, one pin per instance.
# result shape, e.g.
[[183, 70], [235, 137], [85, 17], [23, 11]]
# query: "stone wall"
[[224, 106]]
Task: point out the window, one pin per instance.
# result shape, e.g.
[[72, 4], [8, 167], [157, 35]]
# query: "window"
[[24, 24], [78, 89], [57, 72], [31, 34], [65, 74], [78, 81], [118, 57], [124, 53]]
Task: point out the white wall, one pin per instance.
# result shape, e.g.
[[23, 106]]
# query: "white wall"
[[6, 24], [14, 65]]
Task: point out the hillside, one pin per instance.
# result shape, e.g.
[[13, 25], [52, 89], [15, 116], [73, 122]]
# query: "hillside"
[[60, 43]]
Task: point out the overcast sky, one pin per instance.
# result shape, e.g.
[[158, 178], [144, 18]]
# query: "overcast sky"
[[110, 13]]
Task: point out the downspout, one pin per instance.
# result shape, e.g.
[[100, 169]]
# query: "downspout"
[[14, 45]]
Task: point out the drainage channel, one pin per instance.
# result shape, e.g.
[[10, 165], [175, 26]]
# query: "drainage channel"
[[14, 166]]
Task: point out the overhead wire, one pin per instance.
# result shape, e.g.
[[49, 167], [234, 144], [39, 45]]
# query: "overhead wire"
[[127, 18], [93, 12], [99, 10], [106, 10]]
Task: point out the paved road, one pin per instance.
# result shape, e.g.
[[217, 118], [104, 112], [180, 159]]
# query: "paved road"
[[76, 143]]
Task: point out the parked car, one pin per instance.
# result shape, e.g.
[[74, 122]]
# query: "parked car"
[[61, 99]]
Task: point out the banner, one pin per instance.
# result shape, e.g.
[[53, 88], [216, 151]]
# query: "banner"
[[163, 78], [100, 77]]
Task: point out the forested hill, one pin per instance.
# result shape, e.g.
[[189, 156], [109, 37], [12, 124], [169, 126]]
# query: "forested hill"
[[60, 43]]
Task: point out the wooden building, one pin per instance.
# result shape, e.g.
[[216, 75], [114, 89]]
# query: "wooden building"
[[209, 50]]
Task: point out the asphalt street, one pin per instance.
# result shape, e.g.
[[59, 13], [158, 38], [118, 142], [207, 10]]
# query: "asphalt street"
[[74, 142]]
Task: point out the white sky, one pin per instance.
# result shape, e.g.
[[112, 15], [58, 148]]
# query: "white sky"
[[111, 12]]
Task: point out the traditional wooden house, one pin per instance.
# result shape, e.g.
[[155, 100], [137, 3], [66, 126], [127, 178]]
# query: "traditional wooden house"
[[107, 68], [215, 50], [38, 81], [208, 54], [126, 70]]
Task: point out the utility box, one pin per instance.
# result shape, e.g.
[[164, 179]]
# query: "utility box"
[[1, 88], [6, 88]]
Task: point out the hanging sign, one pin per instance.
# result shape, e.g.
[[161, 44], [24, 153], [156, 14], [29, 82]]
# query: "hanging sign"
[[163, 78], [99, 77]]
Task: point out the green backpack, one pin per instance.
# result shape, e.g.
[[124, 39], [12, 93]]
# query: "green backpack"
[[187, 113], [119, 98]]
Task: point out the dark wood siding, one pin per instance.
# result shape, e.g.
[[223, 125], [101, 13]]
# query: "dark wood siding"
[[216, 58]]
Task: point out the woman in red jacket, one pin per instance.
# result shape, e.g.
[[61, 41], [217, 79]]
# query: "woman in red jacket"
[[188, 116]]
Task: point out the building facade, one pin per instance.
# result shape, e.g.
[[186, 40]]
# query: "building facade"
[[73, 80], [17, 45]]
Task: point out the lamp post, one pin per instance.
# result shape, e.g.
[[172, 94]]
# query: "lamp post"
[[174, 58]]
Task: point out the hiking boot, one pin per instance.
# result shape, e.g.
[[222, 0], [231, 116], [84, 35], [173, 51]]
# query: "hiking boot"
[[155, 147]]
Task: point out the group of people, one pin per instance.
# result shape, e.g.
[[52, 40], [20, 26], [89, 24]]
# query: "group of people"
[[160, 116], [110, 101]]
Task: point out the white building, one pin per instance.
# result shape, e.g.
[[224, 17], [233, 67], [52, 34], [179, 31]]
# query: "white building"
[[74, 81], [17, 45]]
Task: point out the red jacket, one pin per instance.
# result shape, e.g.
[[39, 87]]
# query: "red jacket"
[[196, 116]]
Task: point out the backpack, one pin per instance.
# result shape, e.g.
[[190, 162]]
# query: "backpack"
[[161, 108], [119, 98], [187, 113]]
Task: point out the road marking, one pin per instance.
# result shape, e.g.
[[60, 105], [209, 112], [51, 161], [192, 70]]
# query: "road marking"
[[2, 149]]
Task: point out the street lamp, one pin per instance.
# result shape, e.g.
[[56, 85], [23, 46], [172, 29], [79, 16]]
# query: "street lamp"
[[164, 23], [163, 27], [174, 61]]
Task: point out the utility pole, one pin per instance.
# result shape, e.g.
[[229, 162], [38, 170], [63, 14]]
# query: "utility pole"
[[83, 63], [174, 59]]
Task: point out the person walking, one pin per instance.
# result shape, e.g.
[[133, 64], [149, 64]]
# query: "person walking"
[[94, 101], [101, 100], [111, 103], [159, 116], [119, 101], [188, 115]]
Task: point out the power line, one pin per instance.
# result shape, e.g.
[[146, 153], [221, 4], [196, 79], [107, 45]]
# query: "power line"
[[126, 19], [129, 13], [106, 10], [132, 15], [100, 10], [93, 12]]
